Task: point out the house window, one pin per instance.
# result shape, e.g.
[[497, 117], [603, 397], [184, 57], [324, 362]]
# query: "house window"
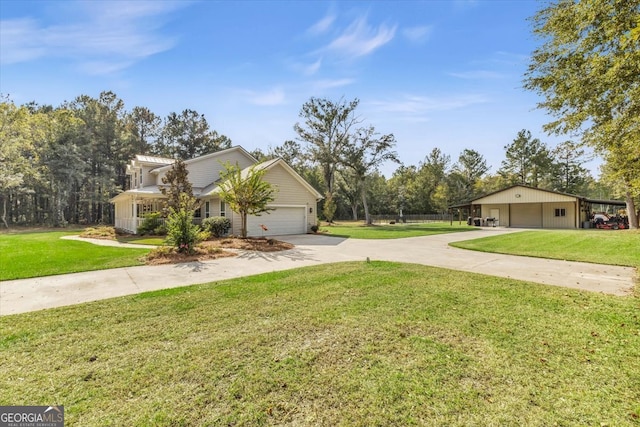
[[206, 210], [223, 208], [561, 212], [197, 213]]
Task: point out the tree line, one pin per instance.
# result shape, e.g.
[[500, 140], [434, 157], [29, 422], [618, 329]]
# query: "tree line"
[[62, 164]]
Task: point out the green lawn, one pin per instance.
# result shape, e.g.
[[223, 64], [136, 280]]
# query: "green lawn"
[[24, 255], [358, 230], [621, 247], [145, 240], [353, 344]]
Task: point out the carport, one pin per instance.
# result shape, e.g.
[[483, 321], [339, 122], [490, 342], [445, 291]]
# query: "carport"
[[522, 206]]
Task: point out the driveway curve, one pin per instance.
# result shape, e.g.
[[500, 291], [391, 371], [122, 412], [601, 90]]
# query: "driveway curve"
[[19, 296]]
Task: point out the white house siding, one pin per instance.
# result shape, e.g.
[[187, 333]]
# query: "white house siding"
[[147, 178], [124, 216], [203, 172], [206, 169], [292, 192], [294, 208]]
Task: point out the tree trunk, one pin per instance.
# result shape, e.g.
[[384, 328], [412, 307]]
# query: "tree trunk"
[[631, 208], [367, 217], [4, 212], [243, 215], [354, 211]]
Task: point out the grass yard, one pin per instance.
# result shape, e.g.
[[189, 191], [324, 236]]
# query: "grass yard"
[[24, 255], [145, 240], [357, 344], [621, 247], [358, 230]]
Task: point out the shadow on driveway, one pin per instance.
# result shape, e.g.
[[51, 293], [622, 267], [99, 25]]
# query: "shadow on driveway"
[[312, 239]]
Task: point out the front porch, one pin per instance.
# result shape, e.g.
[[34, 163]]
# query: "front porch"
[[131, 225], [131, 213]]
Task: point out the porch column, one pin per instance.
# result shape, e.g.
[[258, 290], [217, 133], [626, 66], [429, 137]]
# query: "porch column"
[[134, 223]]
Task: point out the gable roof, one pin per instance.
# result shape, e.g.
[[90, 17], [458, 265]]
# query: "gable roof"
[[209, 156], [278, 161], [266, 165], [527, 187]]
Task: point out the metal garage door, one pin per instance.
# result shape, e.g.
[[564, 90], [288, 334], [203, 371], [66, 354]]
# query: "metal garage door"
[[283, 220], [527, 215]]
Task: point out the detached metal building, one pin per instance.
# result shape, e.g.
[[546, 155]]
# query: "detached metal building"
[[529, 207]]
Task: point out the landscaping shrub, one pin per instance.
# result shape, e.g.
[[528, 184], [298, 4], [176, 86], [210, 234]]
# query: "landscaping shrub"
[[218, 226], [182, 233], [152, 222], [160, 230], [314, 228]]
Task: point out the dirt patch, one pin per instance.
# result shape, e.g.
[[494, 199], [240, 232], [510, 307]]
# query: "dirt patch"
[[166, 255], [214, 249], [261, 244]]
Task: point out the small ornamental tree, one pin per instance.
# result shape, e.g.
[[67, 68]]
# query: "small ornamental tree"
[[176, 182], [246, 192], [182, 233]]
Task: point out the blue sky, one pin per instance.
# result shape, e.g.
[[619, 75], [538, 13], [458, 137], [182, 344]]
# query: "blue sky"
[[444, 74]]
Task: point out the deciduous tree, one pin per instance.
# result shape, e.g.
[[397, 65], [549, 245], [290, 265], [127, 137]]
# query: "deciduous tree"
[[326, 131], [587, 72], [246, 192], [364, 155]]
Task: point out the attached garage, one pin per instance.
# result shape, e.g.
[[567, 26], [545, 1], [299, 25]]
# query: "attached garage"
[[281, 221]]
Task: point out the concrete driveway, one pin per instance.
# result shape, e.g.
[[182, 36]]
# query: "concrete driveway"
[[19, 296]]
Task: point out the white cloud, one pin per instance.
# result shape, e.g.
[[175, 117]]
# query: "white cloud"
[[92, 41], [417, 34], [418, 107], [330, 84], [20, 41], [311, 69], [360, 39], [322, 25], [275, 96]]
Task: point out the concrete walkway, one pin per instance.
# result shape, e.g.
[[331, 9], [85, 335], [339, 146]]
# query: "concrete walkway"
[[19, 296]]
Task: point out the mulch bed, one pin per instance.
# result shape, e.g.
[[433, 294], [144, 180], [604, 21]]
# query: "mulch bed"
[[215, 248]]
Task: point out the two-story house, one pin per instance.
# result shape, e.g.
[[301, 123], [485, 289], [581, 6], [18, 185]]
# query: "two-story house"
[[295, 204]]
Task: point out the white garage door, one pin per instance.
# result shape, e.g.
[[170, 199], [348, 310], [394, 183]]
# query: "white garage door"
[[281, 221], [527, 215]]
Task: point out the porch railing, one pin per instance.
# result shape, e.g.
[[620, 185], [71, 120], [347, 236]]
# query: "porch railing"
[[132, 224]]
